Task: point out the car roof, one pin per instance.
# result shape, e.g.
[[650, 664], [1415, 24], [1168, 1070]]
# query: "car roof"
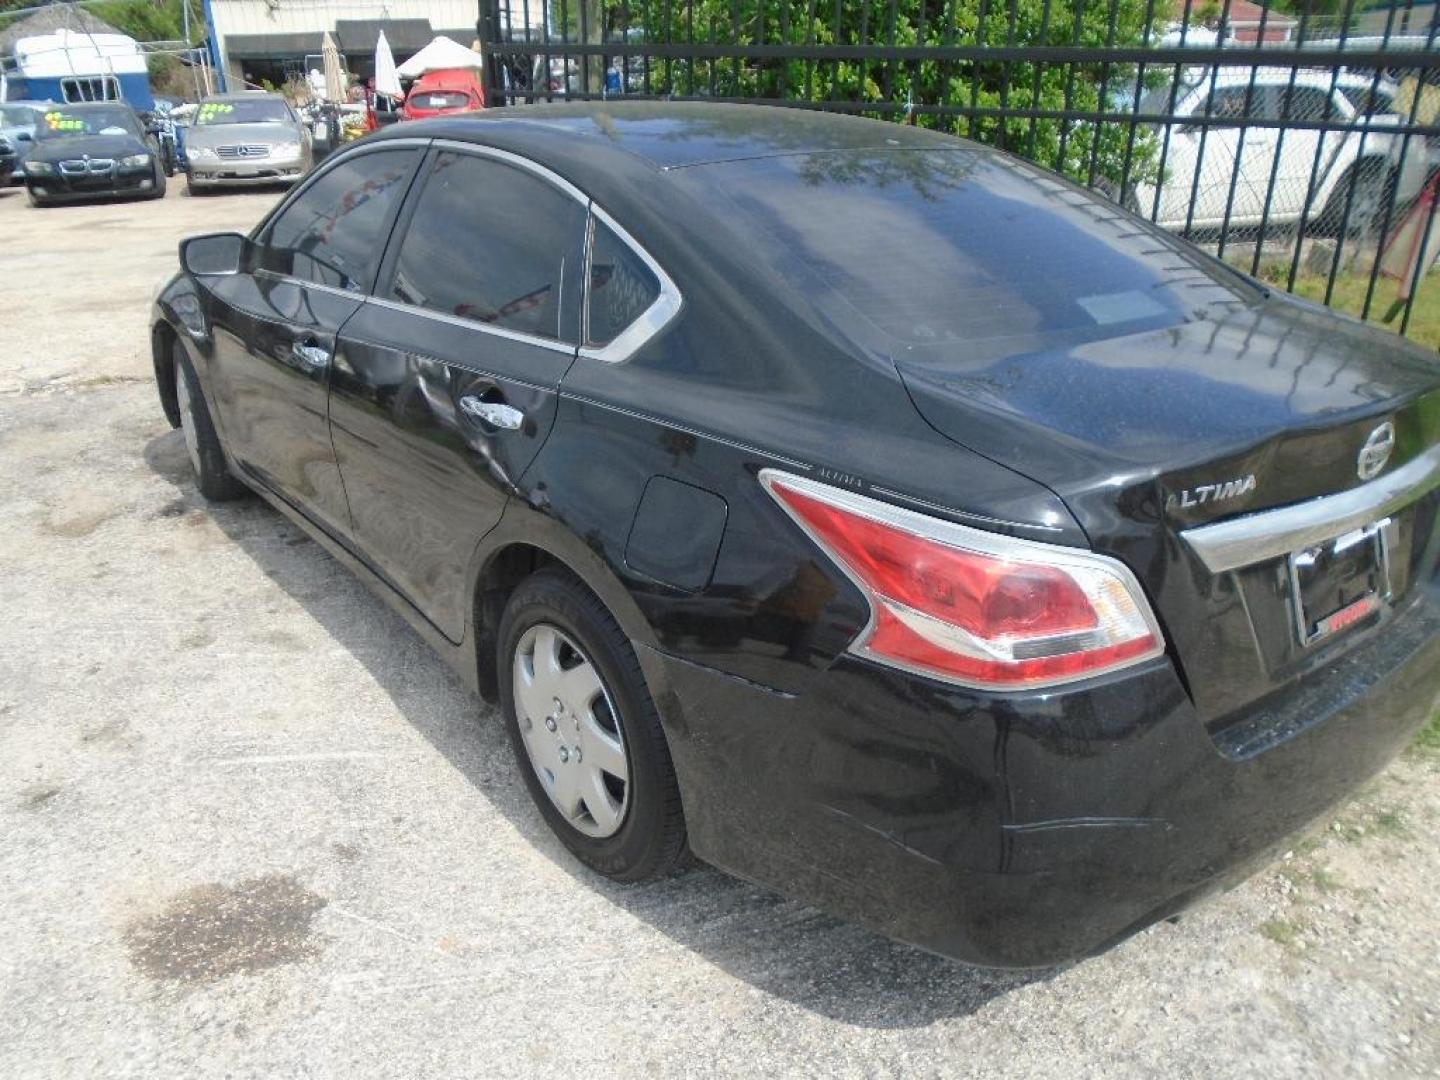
[[671, 135]]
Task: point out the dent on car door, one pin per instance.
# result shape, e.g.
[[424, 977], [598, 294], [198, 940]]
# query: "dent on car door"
[[276, 323], [445, 382]]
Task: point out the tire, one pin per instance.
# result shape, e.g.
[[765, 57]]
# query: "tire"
[[158, 192], [37, 200], [637, 830], [1373, 186], [202, 443]]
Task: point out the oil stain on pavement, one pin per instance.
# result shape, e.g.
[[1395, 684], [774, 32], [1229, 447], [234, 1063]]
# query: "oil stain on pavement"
[[210, 931]]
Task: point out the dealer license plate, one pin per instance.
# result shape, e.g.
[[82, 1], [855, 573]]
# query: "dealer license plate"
[[1342, 582]]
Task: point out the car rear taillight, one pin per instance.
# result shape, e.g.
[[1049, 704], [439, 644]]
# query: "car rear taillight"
[[969, 606]]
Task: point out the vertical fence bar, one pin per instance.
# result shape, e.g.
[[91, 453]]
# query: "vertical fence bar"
[[1175, 79], [1003, 133], [1410, 123], [1279, 153], [1249, 112], [1121, 196], [1301, 226], [1417, 278], [1078, 14], [980, 21], [1038, 87], [1205, 127], [1102, 99]]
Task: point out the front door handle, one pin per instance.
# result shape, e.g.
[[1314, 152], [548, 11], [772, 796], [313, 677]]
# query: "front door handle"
[[495, 413], [311, 356]]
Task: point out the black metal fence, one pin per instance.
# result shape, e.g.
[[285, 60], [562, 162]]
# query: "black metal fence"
[[1303, 148]]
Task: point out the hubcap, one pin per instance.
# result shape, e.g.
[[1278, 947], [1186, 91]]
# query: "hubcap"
[[571, 731], [187, 421]]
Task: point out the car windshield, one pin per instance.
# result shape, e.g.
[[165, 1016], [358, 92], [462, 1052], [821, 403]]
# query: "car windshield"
[[961, 253], [17, 116], [441, 99], [261, 111], [69, 121]]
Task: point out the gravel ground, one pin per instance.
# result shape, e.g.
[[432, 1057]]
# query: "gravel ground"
[[252, 827]]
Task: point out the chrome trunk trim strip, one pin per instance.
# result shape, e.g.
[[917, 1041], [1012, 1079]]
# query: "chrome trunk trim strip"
[[1271, 534]]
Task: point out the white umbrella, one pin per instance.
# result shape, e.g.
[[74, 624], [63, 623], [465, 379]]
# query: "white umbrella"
[[442, 54], [387, 82], [334, 76]]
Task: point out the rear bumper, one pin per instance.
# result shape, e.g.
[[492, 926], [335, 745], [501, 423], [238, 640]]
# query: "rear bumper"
[[1026, 830]]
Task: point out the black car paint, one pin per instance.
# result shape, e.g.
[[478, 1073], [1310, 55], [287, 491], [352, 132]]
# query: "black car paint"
[[1007, 829], [120, 180]]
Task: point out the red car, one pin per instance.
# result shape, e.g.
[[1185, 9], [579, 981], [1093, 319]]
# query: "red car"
[[450, 91]]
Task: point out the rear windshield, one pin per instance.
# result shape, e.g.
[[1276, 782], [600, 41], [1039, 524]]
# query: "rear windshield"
[[18, 116], [67, 121], [260, 111], [441, 99], [973, 253]]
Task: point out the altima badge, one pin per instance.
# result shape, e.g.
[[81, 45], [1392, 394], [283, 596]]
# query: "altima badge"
[[1201, 494], [1375, 454]]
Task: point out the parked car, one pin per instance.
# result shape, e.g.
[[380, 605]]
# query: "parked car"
[[997, 570], [90, 151], [18, 120], [245, 140], [448, 91], [1280, 174]]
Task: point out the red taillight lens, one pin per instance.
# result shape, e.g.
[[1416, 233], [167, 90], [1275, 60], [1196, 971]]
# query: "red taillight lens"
[[970, 606]]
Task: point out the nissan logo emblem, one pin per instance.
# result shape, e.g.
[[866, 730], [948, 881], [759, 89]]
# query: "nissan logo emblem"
[[1375, 454]]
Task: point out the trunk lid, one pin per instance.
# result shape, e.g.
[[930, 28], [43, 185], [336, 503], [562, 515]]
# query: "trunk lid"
[[1148, 435]]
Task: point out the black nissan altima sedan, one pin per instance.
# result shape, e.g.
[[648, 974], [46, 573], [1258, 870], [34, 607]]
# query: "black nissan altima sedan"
[[880, 517]]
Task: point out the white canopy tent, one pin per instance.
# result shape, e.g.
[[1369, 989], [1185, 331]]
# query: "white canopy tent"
[[442, 54]]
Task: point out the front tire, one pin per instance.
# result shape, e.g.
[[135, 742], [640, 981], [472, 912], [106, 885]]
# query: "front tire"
[[202, 443], [1373, 186], [585, 731]]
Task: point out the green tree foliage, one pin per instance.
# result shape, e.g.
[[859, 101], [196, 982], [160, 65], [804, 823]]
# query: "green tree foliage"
[[1068, 145]]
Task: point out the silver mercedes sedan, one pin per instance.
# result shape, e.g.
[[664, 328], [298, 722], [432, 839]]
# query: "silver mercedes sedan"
[[247, 139]]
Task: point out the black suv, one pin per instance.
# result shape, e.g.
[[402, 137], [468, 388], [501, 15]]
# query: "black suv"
[[882, 517]]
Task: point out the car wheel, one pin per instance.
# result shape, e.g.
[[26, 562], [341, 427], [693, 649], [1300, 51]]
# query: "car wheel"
[[37, 200], [158, 191], [586, 732], [1372, 185], [202, 443]]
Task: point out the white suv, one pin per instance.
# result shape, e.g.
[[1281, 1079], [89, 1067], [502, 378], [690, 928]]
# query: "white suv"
[[1310, 168]]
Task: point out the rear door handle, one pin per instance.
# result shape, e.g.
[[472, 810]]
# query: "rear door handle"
[[495, 413], [312, 356]]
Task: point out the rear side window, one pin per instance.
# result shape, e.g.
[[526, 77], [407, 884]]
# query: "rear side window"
[[622, 287], [332, 233], [493, 243], [442, 99]]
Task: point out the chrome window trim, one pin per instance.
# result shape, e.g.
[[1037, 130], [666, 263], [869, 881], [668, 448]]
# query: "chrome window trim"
[[1271, 534], [553, 344], [303, 283], [650, 322], [332, 160], [509, 158], [535, 169]]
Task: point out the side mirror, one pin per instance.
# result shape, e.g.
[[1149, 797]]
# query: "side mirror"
[[24, 136], [213, 253]]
